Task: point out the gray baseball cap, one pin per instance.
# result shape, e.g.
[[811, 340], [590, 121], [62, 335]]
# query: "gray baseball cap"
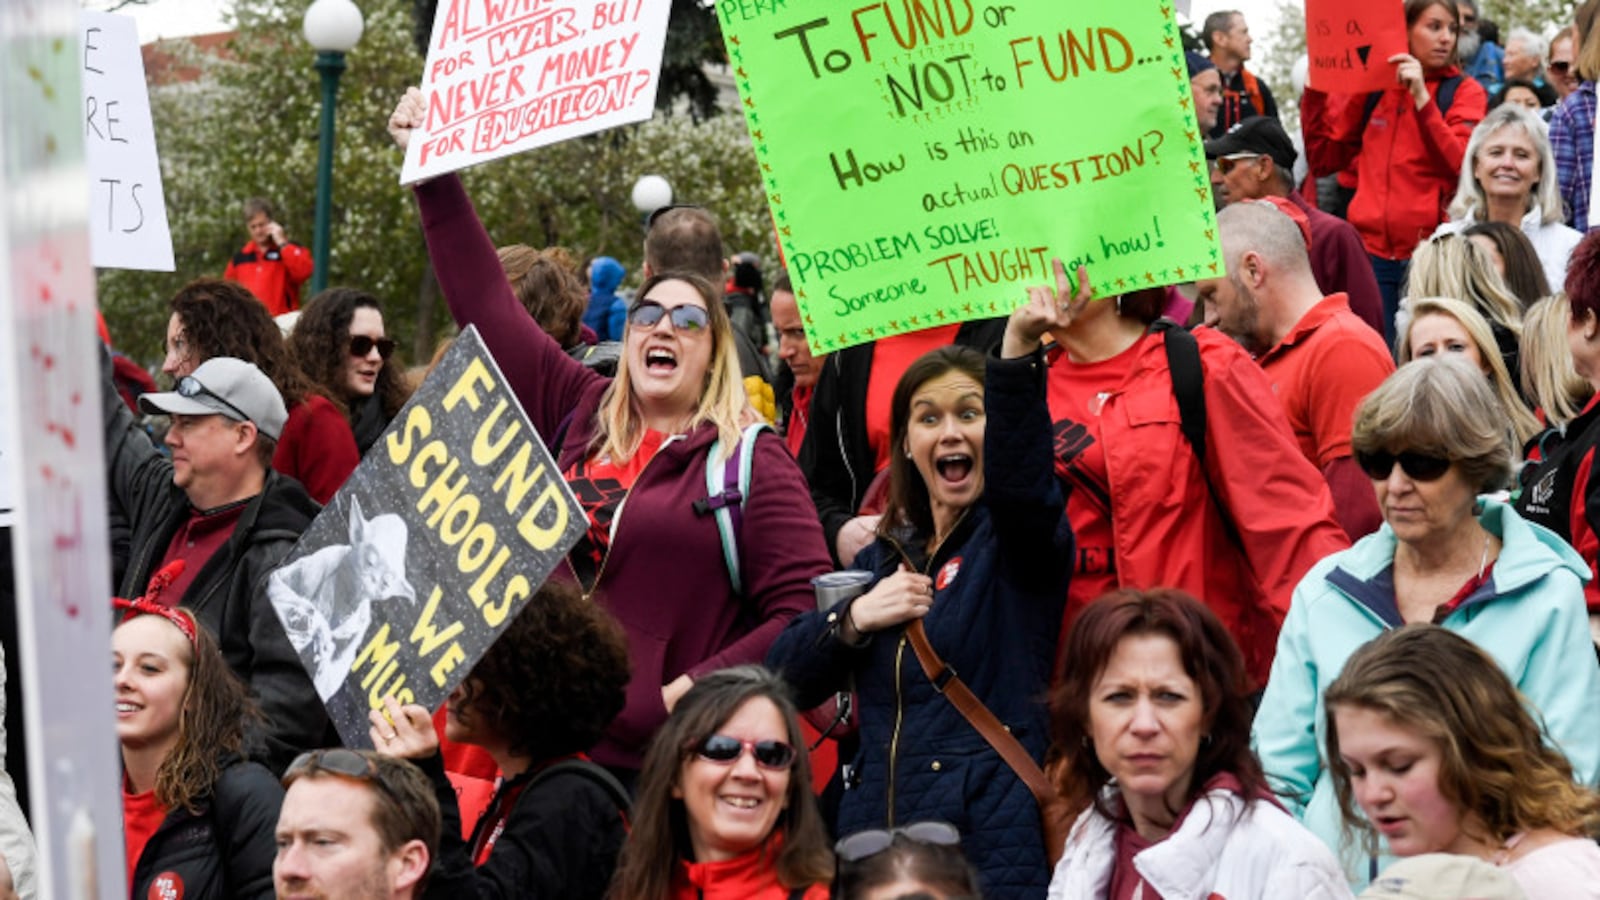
[[224, 386]]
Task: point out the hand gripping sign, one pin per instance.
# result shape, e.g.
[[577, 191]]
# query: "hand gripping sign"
[[426, 554]]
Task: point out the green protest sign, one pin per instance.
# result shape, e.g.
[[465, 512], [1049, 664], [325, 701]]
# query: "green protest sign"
[[925, 159]]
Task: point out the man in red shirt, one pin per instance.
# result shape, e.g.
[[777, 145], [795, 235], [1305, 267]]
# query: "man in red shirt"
[[1322, 359], [269, 265]]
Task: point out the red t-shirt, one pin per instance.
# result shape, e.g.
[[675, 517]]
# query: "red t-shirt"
[[197, 539], [142, 814], [1077, 391], [891, 357], [600, 486]]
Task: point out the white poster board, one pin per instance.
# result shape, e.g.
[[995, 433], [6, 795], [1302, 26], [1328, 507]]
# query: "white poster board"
[[50, 407], [503, 77], [127, 209]]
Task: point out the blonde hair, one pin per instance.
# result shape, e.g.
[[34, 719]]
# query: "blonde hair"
[[1452, 266], [1548, 377], [1523, 424], [1443, 406], [723, 401], [1470, 200]]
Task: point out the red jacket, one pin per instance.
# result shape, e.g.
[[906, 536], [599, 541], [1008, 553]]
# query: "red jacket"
[[274, 276], [1166, 526], [317, 448], [752, 876], [1407, 160]]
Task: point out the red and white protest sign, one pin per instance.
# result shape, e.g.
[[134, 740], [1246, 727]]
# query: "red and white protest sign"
[[504, 76], [1350, 42]]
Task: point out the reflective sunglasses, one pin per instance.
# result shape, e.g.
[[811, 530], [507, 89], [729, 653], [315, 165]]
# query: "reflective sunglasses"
[[721, 749], [867, 844], [688, 317], [1226, 164], [1417, 466], [339, 761], [361, 345], [189, 386]]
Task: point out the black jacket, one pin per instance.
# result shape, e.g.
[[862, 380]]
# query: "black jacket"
[[228, 595], [561, 840], [836, 456], [225, 851]]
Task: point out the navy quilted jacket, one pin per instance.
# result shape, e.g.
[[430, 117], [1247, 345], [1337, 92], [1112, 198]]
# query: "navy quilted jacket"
[[1000, 588]]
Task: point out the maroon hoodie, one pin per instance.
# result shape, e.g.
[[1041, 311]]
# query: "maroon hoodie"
[[665, 579]]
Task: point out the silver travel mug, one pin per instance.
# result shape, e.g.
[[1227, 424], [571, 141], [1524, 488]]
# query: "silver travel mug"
[[835, 586]]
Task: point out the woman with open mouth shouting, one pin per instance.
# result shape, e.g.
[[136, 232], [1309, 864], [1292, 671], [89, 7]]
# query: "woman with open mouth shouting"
[[972, 560], [638, 450]]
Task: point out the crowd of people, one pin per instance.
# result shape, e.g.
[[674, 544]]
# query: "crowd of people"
[[1282, 583]]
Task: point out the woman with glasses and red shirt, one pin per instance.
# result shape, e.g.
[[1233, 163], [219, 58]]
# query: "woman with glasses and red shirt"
[[638, 450], [340, 343], [724, 809], [1432, 438]]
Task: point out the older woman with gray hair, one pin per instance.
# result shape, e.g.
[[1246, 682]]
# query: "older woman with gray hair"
[[1432, 438], [1510, 176]]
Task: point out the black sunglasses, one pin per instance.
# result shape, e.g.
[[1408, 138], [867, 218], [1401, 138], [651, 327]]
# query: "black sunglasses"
[[189, 386], [1417, 466], [722, 749], [361, 345], [867, 844], [1560, 67], [339, 761], [688, 317]]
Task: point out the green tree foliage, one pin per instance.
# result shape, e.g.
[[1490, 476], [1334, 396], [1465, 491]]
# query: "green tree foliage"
[[1279, 47], [249, 126]]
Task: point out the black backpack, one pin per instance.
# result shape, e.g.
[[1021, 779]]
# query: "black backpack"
[[1445, 97]]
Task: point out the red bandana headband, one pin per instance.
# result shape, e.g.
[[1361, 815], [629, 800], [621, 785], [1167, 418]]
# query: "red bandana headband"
[[149, 604]]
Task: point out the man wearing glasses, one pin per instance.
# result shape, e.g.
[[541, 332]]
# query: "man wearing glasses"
[[357, 826], [217, 506]]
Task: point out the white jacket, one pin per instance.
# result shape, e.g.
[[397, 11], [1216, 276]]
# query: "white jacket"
[[1223, 848]]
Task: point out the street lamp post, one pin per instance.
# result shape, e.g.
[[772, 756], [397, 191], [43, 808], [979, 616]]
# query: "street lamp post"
[[332, 27]]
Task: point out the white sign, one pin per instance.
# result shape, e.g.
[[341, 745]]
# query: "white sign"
[[127, 210], [50, 409], [504, 76]]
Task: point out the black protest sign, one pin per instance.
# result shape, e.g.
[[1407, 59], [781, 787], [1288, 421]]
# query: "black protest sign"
[[450, 524]]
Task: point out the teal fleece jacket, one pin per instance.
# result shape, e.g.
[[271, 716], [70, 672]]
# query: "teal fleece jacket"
[[1529, 616]]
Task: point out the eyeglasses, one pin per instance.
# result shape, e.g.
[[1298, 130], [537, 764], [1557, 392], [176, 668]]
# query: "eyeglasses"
[[721, 749], [1226, 164], [688, 317], [867, 844], [1560, 67], [361, 345], [339, 761], [189, 386], [1418, 466]]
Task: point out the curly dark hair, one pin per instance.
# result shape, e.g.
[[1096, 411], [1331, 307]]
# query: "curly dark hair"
[[222, 318], [554, 679], [320, 343], [546, 281], [1210, 658]]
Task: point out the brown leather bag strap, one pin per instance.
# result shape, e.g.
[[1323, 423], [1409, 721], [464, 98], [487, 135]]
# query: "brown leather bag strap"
[[946, 682]]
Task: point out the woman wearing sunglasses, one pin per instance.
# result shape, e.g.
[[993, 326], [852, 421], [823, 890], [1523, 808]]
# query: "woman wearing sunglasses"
[[198, 819], [1440, 754], [724, 808], [922, 859], [973, 558], [638, 451], [221, 318], [340, 344], [1152, 724], [1432, 438]]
